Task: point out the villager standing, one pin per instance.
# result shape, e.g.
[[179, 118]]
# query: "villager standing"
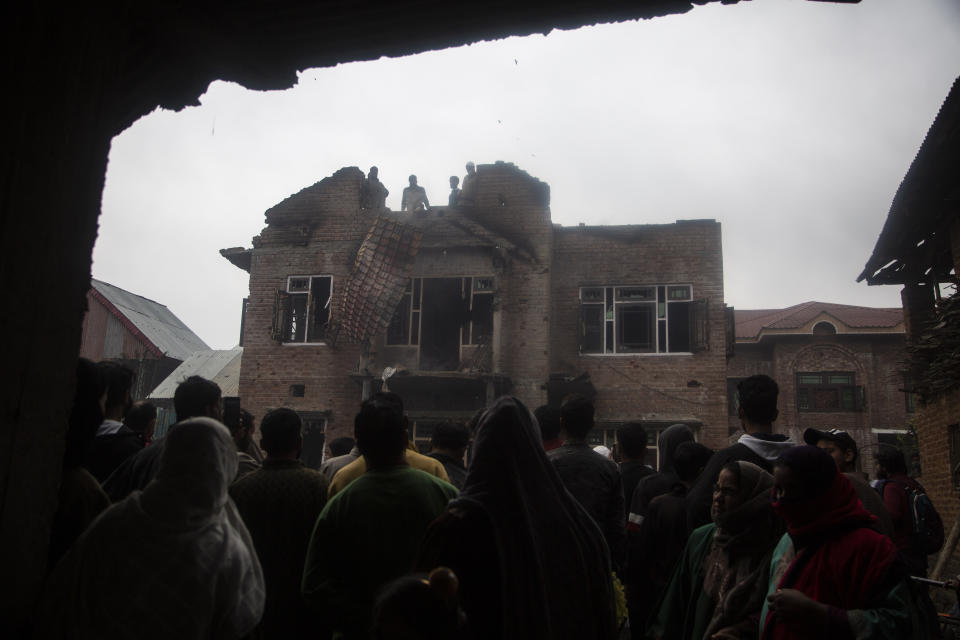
[[592, 479], [114, 442], [468, 196], [414, 197], [893, 486], [632, 445], [657, 484], [369, 533], [280, 504], [194, 397], [373, 195], [531, 562], [355, 469], [340, 460], [655, 545], [832, 575], [548, 418], [843, 449], [142, 420], [454, 198], [448, 445], [172, 561], [719, 586], [757, 410]]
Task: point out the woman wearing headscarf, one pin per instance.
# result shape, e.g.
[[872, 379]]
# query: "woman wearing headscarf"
[[531, 562], [718, 587], [172, 561], [832, 575]]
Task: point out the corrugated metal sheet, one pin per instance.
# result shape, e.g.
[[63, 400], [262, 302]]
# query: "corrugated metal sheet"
[[154, 321], [223, 367]]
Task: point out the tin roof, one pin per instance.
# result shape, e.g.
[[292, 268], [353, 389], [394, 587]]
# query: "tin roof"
[[221, 366], [154, 322], [751, 323]]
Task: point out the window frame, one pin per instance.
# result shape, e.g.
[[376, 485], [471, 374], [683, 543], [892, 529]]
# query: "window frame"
[[413, 299], [856, 393], [614, 300], [283, 311]]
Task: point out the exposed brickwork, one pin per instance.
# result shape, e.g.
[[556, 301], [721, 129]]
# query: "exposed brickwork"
[[933, 420], [538, 269], [875, 358]]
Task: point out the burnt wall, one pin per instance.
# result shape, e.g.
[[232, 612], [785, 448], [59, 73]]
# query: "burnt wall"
[[662, 387]]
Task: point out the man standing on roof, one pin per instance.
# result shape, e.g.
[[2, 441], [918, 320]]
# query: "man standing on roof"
[[759, 444], [414, 197]]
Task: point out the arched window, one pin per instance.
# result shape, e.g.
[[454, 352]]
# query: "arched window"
[[824, 329]]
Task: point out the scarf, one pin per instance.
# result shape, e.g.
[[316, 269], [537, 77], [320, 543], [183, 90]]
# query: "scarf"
[[839, 560], [739, 559], [554, 565]]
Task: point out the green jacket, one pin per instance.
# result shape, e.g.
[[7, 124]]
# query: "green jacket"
[[685, 609]]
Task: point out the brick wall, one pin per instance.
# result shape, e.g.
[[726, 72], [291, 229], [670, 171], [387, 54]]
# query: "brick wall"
[[656, 387], [932, 422], [876, 359], [538, 269]]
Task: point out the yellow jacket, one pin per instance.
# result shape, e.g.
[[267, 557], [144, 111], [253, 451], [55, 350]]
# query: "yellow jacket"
[[359, 466]]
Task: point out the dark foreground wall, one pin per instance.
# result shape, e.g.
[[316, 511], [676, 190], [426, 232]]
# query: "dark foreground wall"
[[73, 78]]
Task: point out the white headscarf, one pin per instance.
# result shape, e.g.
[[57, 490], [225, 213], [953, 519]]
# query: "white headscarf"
[[174, 561]]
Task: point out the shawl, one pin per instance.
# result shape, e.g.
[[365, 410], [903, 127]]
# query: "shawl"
[[554, 567], [739, 560], [174, 561], [839, 560]]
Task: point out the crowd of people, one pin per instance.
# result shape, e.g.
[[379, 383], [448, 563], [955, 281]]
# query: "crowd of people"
[[204, 534]]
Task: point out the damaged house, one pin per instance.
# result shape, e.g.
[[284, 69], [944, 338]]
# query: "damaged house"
[[453, 306]]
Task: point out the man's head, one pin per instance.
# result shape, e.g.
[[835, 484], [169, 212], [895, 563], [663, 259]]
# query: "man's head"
[[576, 416], [341, 446], [454, 182], [471, 168], [381, 433], [372, 174], [119, 381], [689, 460], [142, 418], [889, 460], [758, 402], [549, 420], [451, 438], [632, 439], [280, 434], [197, 397], [839, 444], [726, 492], [413, 180]]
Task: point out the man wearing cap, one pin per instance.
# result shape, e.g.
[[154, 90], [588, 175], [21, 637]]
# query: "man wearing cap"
[[843, 449]]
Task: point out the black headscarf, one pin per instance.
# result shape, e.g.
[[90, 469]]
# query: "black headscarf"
[[554, 565], [671, 438]]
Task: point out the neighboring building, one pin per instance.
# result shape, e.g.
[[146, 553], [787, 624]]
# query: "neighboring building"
[[919, 248], [456, 306], [220, 366], [837, 366], [137, 332]]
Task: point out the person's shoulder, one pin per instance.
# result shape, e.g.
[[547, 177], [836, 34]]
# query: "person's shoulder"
[[703, 531]]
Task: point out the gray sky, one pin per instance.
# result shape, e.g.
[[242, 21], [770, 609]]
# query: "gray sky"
[[790, 122]]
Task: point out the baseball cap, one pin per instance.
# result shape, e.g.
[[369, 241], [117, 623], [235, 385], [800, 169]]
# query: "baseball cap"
[[844, 439]]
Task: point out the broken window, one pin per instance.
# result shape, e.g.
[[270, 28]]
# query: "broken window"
[[479, 328], [458, 307], [828, 391], [314, 434], [642, 319], [301, 312]]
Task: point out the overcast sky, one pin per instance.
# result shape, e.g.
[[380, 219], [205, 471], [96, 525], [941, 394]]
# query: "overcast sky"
[[790, 122]]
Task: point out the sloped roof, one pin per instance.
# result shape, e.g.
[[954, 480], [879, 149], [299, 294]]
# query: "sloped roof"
[[152, 321], [914, 245], [221, 366], [750, 323]]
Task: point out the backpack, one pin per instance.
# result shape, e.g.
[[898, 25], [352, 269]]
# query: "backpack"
[[926, 524]]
